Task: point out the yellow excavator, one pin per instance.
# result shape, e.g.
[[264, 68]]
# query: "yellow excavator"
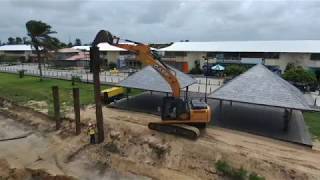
[[184, 118]]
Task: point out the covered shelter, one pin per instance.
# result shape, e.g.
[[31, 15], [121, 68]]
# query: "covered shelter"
[[149, 79], [264, 91]]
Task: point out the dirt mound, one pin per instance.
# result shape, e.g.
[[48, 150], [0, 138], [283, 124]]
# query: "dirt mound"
[[32, 174]]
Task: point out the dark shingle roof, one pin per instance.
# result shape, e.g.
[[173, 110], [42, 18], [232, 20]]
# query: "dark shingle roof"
[[150, 79], [261, 86]]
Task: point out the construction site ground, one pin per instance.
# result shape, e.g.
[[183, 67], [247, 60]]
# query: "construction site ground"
[[132, 151]]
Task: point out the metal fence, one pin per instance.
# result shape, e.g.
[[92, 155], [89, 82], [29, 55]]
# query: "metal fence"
[[83, 75], [106, 77]]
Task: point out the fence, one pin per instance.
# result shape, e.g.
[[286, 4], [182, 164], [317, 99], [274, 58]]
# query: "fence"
[[84, 76]]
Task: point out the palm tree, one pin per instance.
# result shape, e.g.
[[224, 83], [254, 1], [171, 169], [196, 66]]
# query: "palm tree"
[[39, 32]]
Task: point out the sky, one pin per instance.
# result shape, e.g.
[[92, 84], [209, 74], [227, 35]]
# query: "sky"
[[163, 21]]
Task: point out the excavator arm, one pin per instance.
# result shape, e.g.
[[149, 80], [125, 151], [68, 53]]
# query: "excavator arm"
[[145, 56]]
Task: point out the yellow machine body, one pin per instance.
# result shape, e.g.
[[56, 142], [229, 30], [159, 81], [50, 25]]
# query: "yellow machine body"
[[110, 94], [114, 91]]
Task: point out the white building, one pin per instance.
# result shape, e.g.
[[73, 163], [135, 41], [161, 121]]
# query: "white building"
[[113, 54], [274, 53], [20, 52]]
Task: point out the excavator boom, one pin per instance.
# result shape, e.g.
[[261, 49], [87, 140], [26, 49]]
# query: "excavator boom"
[[145, 56]]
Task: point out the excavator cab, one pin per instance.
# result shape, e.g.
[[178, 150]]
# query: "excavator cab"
[[174, 108]]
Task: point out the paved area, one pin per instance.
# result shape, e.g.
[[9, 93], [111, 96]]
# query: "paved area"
[[314, 98], [260, 120]]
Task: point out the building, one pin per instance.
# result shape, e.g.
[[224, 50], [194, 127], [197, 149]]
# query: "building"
[[112, 54], [69, 57], [19, 52], [278, 54]]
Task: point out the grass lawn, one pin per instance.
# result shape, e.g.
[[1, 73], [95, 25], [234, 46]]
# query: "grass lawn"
[[30, 88], [313, 121]]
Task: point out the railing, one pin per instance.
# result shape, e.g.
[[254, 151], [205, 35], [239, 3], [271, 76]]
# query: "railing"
[[105, 77], [235, 61]]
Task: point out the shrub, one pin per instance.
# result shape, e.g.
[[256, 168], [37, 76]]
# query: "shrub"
[[196, 69], [255, 176], [236, 174], [289, 67], [75, 79], [224, 167], [299, 75], [112, 65], [21, 73], [235, 70]]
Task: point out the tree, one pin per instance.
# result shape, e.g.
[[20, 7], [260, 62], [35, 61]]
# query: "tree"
[[290, 66], [77, 42], [25, 40], [299, 75], [235, 70], [11, 41], [196, 69], [18, 40], [69, 45], [39, 33]]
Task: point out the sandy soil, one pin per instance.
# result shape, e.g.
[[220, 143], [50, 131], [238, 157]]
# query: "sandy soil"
[[271, 158], [132, 151]]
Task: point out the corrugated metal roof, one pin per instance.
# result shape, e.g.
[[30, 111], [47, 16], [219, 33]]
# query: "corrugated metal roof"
[[261, 86], [108, 47], [102, 47], [82, 48], [18, 47], [293, 46], [68, 50], [150, 79]]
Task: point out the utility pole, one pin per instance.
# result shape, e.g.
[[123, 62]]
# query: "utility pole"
[[95, 59]]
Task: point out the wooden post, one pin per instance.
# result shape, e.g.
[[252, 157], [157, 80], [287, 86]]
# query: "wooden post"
[[76, 103], [220, 105], [56, 105], [230, 103], [94, 57]]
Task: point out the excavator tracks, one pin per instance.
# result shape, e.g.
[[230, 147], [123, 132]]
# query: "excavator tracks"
[[183, 130]]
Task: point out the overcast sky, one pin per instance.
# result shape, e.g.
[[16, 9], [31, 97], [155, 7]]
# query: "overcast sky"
[[166, 21]]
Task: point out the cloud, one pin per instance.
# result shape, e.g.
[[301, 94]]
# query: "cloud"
[[164, 20]]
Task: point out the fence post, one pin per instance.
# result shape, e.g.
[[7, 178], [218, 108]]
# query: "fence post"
[[76, 102], [56, 105]]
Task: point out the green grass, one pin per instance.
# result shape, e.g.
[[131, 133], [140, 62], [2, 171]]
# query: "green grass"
[[313, 121], [236, 174], [30, 88]]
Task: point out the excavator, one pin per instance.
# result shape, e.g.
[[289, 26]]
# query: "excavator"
[[180, 117]]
